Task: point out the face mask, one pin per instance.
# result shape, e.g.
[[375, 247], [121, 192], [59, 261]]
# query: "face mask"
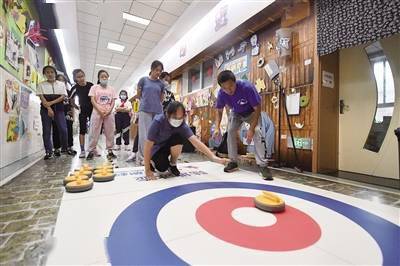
[[123, 97], [103, 82], [175, 122]]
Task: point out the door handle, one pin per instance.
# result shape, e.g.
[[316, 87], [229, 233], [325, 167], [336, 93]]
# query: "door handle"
[[343, 107]]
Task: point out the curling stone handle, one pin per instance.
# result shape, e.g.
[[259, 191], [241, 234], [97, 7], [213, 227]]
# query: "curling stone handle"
[[270, 196]]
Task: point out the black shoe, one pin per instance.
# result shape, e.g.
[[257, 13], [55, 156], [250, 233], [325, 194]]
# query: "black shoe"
[[90, 156], [57, 153], [71, 151], [111, 155], [48, 156], [231, 167], [174, 170], [266, 173]]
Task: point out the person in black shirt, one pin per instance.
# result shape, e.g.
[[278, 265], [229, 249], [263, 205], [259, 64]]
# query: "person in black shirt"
[[168, 96], [69, 117], [81, 89]]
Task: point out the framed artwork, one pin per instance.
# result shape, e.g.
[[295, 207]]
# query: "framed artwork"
[[12, 50]]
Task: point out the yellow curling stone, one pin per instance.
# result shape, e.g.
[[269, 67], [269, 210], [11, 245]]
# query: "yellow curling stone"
[[269, 202], [79, 185], [99, 170], [103, 176], [83, 172], [73, 177]]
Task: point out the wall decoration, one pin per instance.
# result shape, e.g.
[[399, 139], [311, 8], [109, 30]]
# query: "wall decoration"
[[219, 61], [328, 79], [284, 42], [230, 53], [293, 103], [299, 125], [275, 101], [174, 86], [221, 17], [200, 98], [260, 62], [361, 21], [34, 33], [27, 73], [244, 77], [304, 100], [213, 96], [12, 50], [237, 66], [255, 46], [24, 97], [12, 129], [270, 46], [196, 122], [300, 143], [2, 34], [19, 18], [11, 99], [260, 85], [8, 5], [242, 47]]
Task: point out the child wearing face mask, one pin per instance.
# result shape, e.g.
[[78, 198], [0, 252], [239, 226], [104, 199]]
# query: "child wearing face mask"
[[103, 99], [123, 109]]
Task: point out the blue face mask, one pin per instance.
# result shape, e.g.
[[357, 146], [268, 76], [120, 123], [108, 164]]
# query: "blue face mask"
[[103, 82]]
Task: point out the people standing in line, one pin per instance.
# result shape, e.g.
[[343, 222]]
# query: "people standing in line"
[[150, 91], [81, 89], [52, 93], [245, 103], [169, 95], [123, 109], [69, 117], [103, 100]]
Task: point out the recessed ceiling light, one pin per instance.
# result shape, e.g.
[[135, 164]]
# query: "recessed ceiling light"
[[108, 66], [115, 47], [136, 19]]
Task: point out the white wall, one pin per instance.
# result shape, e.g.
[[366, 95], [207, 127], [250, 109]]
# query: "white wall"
[[358, 89], [200, 36]]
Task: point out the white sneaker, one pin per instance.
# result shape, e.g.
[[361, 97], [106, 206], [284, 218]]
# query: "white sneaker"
[[131, 158], [82, 154], [117, 148], [127, 147]]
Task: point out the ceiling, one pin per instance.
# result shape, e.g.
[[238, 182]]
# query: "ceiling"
[[100, 22]]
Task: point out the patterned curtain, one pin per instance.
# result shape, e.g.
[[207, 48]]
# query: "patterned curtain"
[[346, 23]]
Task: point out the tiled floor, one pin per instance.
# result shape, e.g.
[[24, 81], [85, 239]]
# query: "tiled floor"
[[29, 204]]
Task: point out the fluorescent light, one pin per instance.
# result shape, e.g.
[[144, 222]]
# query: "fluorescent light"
[[115, 47], [108, 66], [64, 52], [135, 18]]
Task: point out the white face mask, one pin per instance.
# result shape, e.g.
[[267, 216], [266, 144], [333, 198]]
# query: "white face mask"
[[104, 82], [175, 122], [123, 97]]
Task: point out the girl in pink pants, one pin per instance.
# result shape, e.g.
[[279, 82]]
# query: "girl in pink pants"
[[103, 100]]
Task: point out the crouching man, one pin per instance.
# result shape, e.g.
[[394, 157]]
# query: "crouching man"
[[165, 140], [245, 103]]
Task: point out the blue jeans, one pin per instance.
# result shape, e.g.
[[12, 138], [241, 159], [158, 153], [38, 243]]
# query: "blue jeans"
[[59, 118]]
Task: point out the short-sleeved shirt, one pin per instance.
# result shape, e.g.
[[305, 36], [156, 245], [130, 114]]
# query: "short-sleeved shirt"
[[243, 101], [103, 96], [119, 103], [161, 130], [83, 95], [152, 90], [52, 91]]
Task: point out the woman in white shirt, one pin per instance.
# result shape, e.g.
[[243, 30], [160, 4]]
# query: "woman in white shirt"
[[52, 93]]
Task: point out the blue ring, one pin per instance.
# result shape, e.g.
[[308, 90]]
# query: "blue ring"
[[134, 238]]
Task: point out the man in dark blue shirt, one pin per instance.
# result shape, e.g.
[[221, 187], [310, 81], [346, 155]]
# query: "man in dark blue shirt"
[[165, 140]]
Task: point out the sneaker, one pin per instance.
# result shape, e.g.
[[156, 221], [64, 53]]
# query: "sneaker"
[[96, 153], [111, 155], [48, 156], [90, 156], [71, 151], [57, 153], [82, 154], [174, 170], [127, 148], [117, 148], [266, 173], [231, 167], [131, 158]]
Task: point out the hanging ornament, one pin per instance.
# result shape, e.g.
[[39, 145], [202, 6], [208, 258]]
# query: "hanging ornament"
[[34, 34], [260, 62], [304, 100], [255, 50], [299, 125], [275, 102], [242, 47], [260, 85], [270, 46], [218, 62]]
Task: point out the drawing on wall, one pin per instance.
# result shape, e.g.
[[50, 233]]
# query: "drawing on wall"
[[33, 56], [34, 33], [213, 96], [11, 99], [25, 94], [12, 50], [221, 17], [2, 34], [12, 129]]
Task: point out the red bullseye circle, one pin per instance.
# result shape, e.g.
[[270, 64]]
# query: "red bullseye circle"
[[293, 229]]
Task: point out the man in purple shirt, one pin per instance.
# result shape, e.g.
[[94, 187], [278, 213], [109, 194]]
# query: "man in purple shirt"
[[165, 139], [245, 103]]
